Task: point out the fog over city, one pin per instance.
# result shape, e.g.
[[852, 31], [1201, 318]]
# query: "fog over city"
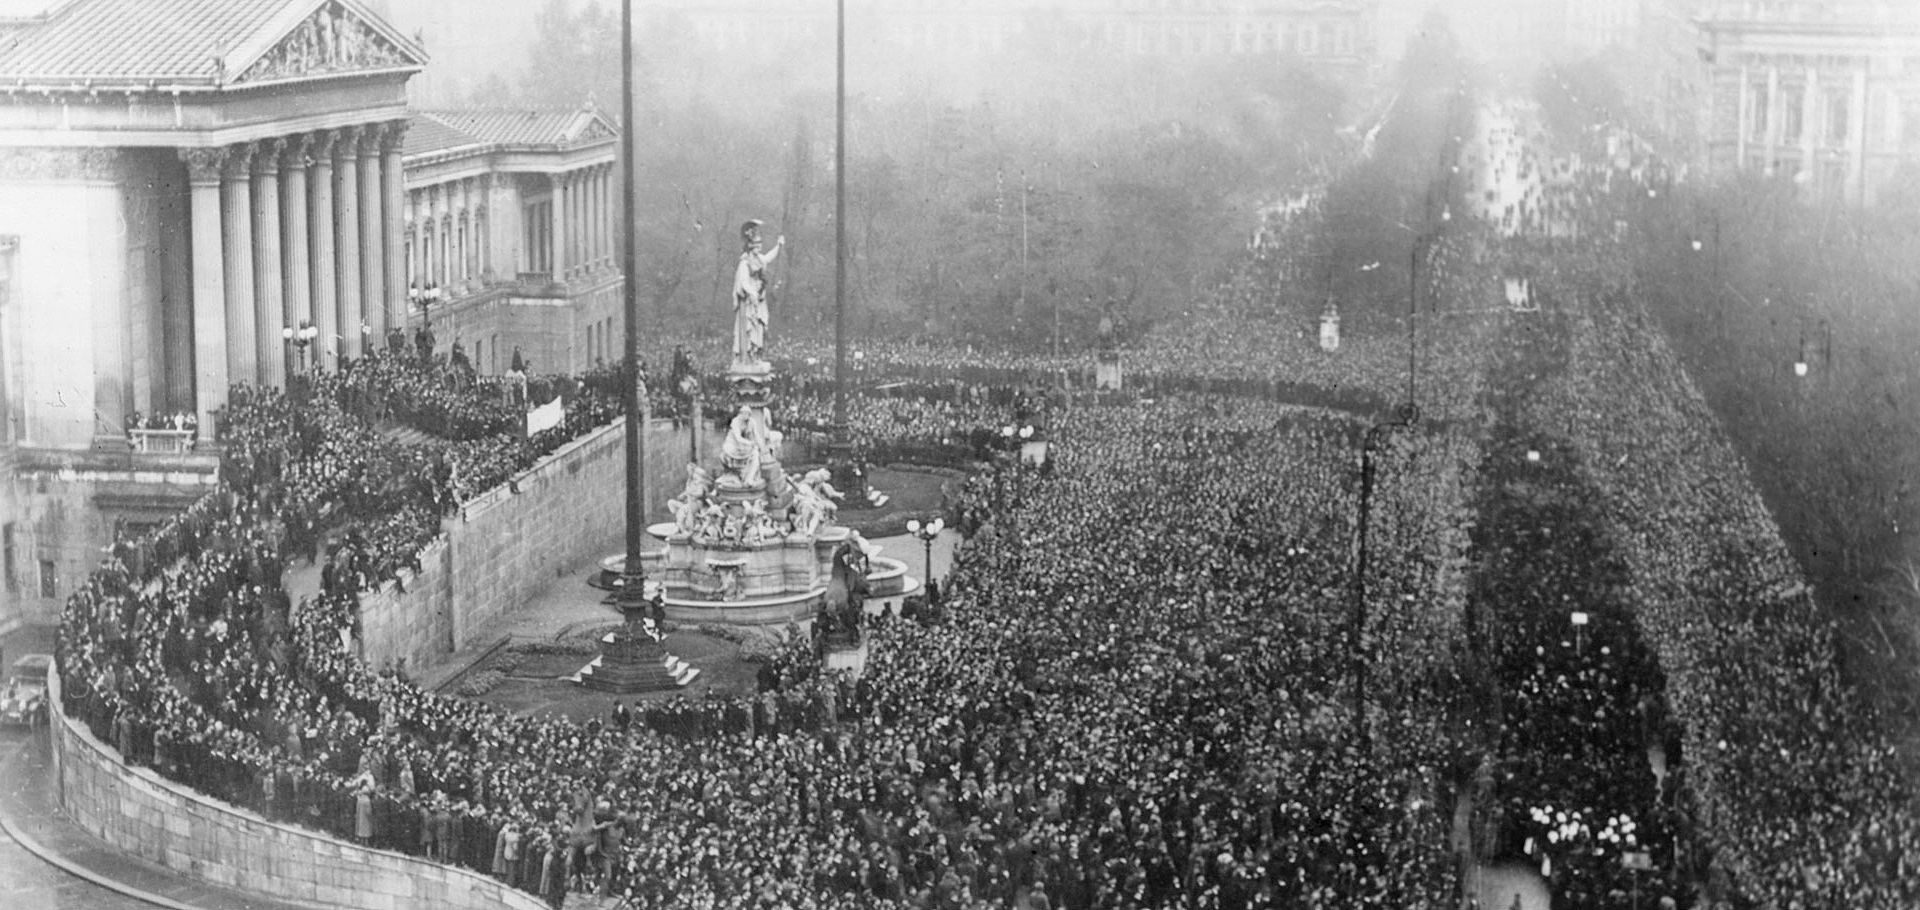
[[1027, 454]]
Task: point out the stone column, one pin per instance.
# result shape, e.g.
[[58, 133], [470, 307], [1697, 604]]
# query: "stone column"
[[209, 283], [576, 221], [1810, 125], [326, 298], [569, 235], [1856, 190], [299, 272], [461, 232], [557, 241], [373, 237], [1775, 123], [594, 211], [444, 241], [236, 222], [616, 211], [269, 304], [1743, 100], [346, 227], [486, 225], [589, 209], [436, 237], [393, 194], [417, 212], [470, 216]]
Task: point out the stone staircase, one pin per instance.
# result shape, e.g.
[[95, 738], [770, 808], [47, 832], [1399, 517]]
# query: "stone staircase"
[[637, 664]]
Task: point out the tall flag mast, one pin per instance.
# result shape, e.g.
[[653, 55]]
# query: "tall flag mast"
[[632, 578]]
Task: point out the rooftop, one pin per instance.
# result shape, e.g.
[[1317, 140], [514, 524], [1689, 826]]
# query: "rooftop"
[[490, 129], [192, 44]]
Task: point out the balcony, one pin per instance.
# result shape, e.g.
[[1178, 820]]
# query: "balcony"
[[162, 442]]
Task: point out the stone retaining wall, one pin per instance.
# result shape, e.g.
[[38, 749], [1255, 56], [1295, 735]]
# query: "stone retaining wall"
[[136, 810], [558, 518]]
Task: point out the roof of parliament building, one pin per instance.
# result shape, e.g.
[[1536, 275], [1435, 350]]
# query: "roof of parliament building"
[[191, 45], [475, 130]]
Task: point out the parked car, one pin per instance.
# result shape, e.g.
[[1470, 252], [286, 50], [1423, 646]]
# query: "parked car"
[[25, 700]]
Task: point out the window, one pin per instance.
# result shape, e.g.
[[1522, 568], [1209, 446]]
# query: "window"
[[1757, 110], [49, 587]]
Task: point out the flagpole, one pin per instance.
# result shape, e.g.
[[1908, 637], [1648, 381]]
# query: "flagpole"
[[633, 579], [840, 229]]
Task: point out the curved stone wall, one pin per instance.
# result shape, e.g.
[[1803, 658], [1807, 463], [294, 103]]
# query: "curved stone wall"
[[135, 810]]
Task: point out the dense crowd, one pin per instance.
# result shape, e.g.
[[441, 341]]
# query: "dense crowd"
[[1161, 674], [902, 787]]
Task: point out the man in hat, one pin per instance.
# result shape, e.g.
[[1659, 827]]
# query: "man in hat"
[[750, 295]]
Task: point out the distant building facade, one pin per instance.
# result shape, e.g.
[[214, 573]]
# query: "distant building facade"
[[1826, 94], [511, 222]]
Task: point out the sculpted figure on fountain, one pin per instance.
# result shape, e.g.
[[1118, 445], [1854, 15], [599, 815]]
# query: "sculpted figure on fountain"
[[741, 451], [687, 508], [750, 297]]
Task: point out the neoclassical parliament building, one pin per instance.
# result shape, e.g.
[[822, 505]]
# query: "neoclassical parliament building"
[[197, 193]]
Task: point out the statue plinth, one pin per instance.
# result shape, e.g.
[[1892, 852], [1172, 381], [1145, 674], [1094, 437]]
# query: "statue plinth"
[[740, 494], [752, 382]]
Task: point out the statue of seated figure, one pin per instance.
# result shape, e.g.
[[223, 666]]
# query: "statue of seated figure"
[[740, 453]]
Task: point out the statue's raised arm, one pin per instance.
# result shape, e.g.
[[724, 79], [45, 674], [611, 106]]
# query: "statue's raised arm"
[[750, 296]]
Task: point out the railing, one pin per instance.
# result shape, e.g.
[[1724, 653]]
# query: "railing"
[[162, 442]]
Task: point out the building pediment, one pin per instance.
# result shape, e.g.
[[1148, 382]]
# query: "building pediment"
[[596, 128], [332, 38]]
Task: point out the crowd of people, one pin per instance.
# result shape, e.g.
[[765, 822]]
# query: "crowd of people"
[[976, 763], [1161, 674]]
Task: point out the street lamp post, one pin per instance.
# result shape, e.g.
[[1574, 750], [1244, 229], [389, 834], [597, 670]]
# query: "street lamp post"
[[300, 338], [926, 533], [1802, 364]]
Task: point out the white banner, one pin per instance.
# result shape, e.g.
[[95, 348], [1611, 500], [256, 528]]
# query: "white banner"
[[546, 416]]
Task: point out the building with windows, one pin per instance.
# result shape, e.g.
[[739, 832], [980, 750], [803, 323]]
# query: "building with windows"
[[181, 183], [1826, 94], [511, 243], [197, 193]]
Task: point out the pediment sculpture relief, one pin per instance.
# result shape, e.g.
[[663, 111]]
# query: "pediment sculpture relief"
[[331, 40]]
